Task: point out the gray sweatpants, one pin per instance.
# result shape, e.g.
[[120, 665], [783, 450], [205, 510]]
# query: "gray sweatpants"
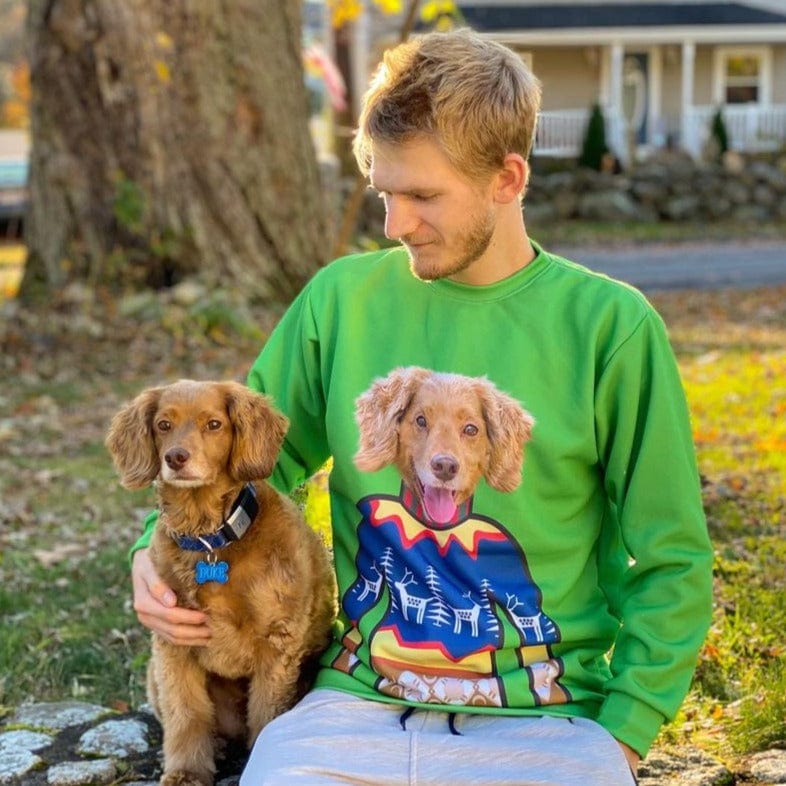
[[333, 738]]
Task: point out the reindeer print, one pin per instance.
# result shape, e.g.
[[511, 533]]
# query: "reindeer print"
[[410, 601], [467, 615]]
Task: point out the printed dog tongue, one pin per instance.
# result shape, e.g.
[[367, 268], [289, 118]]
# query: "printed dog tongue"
[[439, 504]]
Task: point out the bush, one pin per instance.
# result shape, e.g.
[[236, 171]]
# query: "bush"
[[718, 133], [594, 147]]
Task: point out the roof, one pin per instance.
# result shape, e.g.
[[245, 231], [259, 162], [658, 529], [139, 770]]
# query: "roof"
[[608, 15]]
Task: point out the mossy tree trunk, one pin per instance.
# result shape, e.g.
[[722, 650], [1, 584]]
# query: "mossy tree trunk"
[[170, 138]]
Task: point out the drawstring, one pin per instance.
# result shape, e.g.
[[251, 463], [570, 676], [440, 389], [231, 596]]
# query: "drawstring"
[[405, 717], [407, 714]]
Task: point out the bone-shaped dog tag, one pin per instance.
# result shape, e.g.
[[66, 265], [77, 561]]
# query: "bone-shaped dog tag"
[[212, 572]]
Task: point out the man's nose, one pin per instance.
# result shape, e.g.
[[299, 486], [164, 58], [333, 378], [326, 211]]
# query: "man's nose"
[[400, 218]]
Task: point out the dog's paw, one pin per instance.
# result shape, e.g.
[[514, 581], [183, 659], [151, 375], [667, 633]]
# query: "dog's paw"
[[185, 778]]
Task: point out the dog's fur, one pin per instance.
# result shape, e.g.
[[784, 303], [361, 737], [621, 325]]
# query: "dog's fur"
[[443, 432], [201, 442]]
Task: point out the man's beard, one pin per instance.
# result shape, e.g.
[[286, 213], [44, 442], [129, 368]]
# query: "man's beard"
[[472, 245]]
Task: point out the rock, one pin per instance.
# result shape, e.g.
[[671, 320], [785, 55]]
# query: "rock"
[[82, 773], [768, 767], [115, 738], [683, 767], [57, 715], [15, 764]]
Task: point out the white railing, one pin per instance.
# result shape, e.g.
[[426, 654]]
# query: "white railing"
[[750, 128], [560, 133]]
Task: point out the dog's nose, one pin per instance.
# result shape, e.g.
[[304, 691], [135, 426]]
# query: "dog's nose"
[[177, 457], [444, 466]]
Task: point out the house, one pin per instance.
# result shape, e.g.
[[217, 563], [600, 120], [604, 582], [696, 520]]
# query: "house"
[[659, 70]]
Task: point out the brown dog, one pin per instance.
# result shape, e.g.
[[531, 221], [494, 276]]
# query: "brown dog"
[[228, 544], [443, 432]]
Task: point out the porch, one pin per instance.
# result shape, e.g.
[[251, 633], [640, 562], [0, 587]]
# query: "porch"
[[751, 128]]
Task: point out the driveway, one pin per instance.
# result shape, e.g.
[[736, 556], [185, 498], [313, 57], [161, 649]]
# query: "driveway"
[[739, 264]]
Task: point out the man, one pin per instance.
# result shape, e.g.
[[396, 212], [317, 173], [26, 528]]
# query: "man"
[[607, 520]]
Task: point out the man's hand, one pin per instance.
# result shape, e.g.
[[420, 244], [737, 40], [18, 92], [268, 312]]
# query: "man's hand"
[[631, 755], [156, 607]]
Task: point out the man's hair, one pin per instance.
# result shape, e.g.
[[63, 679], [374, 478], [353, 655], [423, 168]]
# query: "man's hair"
[[476, 98]]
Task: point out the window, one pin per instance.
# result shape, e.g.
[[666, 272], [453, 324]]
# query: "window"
[[742, 76], [742, 79]]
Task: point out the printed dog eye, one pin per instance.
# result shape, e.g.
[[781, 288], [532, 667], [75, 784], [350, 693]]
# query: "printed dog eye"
[[163, 425], [471, 430], [421, 421], [214, 425]]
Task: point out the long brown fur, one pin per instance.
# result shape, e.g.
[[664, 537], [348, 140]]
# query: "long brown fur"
[[201, 442], [414, 418]]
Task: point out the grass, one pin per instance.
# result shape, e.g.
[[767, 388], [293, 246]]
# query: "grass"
[[65, 524], [732, 352]]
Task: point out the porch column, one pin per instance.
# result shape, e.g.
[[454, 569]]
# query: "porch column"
[[617, 118], [689, 131]]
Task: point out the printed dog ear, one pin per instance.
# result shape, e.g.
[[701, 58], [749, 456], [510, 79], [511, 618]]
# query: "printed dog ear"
[[378, 412], [259, 432], [509, 428], [131, 443]]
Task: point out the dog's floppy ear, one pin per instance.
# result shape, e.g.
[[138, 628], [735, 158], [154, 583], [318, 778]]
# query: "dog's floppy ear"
[[378, 412], [130, 440], [259, 432], [509, 428]]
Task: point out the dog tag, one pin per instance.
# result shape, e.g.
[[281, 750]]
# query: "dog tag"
[[212, 572]]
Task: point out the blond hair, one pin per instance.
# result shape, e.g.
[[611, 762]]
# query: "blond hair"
[[475, 97]]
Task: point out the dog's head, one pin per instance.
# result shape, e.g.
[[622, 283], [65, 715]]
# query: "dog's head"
[[443, 432], [191, 433]]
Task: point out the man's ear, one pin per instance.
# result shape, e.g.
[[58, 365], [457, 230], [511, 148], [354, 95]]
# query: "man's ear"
[[511, 180]]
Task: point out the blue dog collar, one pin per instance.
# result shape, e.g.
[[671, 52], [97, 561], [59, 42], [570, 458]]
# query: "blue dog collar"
[[244, 511]]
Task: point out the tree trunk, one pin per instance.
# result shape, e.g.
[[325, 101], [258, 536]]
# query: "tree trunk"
[[169, 139]]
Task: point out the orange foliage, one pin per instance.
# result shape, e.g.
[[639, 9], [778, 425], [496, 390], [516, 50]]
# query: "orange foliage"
[[15, 112]]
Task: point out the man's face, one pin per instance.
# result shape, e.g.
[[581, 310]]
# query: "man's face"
[[445, 221]]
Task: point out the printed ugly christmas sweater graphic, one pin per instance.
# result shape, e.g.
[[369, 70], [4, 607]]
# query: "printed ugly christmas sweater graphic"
[[455, 615]]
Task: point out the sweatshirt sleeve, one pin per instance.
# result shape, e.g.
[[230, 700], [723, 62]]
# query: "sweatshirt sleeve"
[[289, 369], [663, 592]]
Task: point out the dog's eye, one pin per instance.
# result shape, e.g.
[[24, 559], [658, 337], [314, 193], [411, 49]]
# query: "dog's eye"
[[163, 425], [421, 421], [471, 430], [213, 425]]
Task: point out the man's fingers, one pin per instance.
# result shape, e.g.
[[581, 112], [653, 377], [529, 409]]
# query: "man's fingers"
[[185, 635]]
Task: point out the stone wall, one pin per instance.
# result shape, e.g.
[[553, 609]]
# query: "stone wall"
[[668, 187]]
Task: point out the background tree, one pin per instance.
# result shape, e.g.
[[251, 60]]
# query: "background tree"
[[169, 138]]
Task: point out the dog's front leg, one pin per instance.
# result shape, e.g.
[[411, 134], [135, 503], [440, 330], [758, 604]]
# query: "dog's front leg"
[[187, 716], [271, 692]]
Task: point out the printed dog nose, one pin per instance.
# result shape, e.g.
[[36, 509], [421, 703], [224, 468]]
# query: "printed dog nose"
[[444, 466], [176, 457]]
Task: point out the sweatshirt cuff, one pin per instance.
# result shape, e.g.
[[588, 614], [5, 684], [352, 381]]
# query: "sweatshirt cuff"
[[630, 721], [144, 538]]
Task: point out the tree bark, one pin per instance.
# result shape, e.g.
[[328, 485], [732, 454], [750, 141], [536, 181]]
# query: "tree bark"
[[169, 139]]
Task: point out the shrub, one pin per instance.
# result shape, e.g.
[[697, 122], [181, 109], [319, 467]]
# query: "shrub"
[[718, 132], [594, 147]]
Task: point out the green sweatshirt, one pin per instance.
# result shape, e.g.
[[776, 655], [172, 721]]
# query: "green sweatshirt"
[[517, 607]]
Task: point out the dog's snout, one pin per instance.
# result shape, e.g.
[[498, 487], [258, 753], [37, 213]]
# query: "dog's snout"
[[177, 457], [444, 466]]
